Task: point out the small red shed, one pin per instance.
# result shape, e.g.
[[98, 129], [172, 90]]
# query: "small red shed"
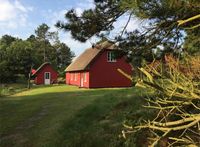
[[97, 67], [45, 74]]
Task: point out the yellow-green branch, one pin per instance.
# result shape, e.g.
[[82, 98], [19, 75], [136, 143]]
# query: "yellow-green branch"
[[181, 22]]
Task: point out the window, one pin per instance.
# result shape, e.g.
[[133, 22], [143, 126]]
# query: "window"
[[47, 75], [111, 57], [75, 78], [85, 77]]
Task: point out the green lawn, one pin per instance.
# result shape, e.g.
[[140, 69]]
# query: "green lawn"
[[57, 116]]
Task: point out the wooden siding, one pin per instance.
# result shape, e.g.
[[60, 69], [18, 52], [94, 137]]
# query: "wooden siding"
[[105, 74], [39, 79]]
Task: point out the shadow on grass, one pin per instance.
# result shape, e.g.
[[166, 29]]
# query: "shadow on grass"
[[79, 118], [100, 123]]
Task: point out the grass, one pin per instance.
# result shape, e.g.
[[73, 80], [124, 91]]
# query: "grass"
[[66, 116], [9, 89]]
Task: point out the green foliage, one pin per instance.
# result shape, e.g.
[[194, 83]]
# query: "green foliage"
[[192, 42], [92, 21], [64, 56], [20, 57], [161, 28], [133, 45], [6, 40], [17, 55], [10, 89], [42, 32]]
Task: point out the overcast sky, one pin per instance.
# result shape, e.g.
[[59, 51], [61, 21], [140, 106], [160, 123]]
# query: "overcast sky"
[[20, 18]]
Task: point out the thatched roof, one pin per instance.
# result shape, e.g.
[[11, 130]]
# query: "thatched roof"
[[82, 61], [39, 68]]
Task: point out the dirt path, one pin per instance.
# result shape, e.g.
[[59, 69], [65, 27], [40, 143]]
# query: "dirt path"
[[17, 136]]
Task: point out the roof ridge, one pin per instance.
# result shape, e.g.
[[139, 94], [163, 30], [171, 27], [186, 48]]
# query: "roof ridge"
[[40, 67], [82, 61]]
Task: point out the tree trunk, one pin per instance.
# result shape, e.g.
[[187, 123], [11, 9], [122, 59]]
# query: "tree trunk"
[[29, 77]]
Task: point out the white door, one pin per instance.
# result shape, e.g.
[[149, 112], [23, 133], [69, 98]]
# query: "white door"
[[47, 77]]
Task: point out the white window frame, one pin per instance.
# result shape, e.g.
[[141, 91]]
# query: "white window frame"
[[45, 74], [110, 57]]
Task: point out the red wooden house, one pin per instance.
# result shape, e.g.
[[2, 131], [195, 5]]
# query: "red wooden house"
[[45, 74], [97, 67]]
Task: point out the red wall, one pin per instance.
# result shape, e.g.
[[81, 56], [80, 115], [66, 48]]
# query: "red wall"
[[102, 74], [105, 74], [77, 81], [39, 79]]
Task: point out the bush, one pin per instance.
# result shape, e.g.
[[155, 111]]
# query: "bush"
[[9, 89], [61, 80]]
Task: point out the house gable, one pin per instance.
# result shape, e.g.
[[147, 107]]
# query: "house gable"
[[40, 73], [104, 73]]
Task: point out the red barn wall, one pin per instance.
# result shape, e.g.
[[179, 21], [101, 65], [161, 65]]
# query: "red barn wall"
[[70, 78], [105, 74], [39, 79], [67, 78]]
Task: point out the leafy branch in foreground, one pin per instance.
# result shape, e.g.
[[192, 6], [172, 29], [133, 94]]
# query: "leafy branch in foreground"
[[177, 104]]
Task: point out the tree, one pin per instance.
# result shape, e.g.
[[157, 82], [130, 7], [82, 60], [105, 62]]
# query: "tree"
[[43, 35], [161, 16], [43, 49], [16, 58], [176, 104], [5, 42], [6, 73], [59, 54], [20, 58], [64, 56], [93, 21], [192, 41], [42, 32]]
